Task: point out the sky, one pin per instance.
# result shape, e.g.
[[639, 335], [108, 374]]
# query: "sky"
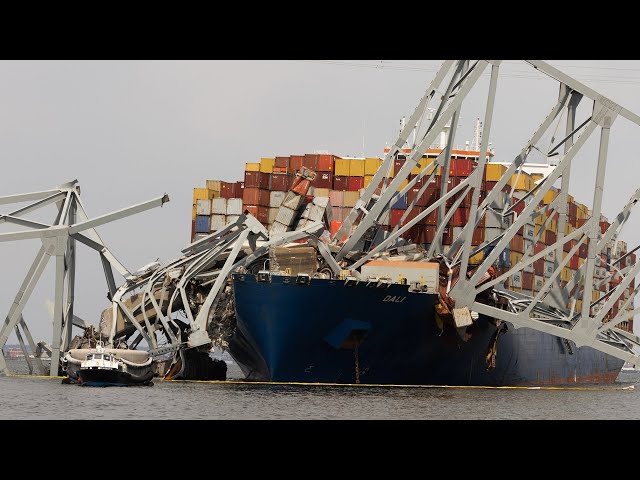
[[130, 131]]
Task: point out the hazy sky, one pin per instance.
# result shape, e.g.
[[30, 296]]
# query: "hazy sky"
[[130, 131]]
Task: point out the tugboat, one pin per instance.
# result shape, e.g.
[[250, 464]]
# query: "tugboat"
[[104, 368]]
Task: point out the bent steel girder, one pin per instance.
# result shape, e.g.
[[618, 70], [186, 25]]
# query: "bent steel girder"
[[584, 327], [58, 239]]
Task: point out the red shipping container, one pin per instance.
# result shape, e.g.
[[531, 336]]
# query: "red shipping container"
[[415, 211], [538, 267], [569, 245], [573, 262], [258, 211], [431, 218], [604, 226], [282, 162], [256, 180], [461, 167], [419, 182], [537, 248], [478, 236], [295, 162], [227, 190], [397, 165], [323, 180], [573, 209], [396, 215], [527, 281], [583, 250], [460, 217], [238, 189], [255, 196], [311, 161], [340, 183], [355, 183], [447, 236], [325, 163], [279, 182], [429, 233], [193, 229], [517, 244], [550, 237]]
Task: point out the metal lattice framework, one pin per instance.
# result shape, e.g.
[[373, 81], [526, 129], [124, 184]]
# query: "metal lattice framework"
[[71, 225], [547, 310]]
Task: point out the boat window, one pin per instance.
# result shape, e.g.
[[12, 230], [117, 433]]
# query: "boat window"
[[106, 357], [98, 356]]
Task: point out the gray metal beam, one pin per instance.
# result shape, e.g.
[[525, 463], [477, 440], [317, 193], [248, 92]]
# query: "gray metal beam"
[[57, 315], [118, 214]]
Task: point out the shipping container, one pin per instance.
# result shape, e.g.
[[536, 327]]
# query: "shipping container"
[[202, 194], [256, 196], [282, 162], [231, 218], [371, 166], [527, 281], [275, 199], [337, 198], [295, 163], [400, 203], [323, 180], [266, 165], [219, 206], [515, 281], [356, 167], [398, 163], [256, 180], [252, 167], [517, 244], [213, 185], [234, 206], [538, 267], [280, 182], [493, 172], [350, 198], [203, 223], [341, 183], [203, 207], [259, 211], [355, 183], [218, 222]]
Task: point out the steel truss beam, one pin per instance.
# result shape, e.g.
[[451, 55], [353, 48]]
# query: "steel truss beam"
[[58, 240]]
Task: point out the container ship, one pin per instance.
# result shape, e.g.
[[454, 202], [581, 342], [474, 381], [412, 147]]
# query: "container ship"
[[295, 320]]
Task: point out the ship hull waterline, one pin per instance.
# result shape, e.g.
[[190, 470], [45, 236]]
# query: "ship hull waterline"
[[330, 332]]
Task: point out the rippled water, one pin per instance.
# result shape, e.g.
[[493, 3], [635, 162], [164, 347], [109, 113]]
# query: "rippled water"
[[48, 398]]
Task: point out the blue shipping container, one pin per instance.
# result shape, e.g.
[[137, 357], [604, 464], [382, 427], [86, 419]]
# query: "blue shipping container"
[[401, 202], [203, 223]]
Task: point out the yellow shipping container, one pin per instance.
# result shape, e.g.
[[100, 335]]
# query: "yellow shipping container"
[[193, 212], [371, 166], [266, 165], [523, 182], [578, 307], [568, 228], [550, 196], [595, 295], [341, 167], [477, 258], [495, 172], [356, 167], [201, 194], [420, 166], [350, 198], [214, 185], [566, 274], [403, 184], [251, 167], [367, 180], [515, 257]]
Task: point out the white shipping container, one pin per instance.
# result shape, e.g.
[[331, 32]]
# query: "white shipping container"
[[229, 219], [277, 228], [548, 268], [528, 268], [493, 220], [550, 256], [273, 213], [529, 231], [491, 233], [321, 201], [316, 213], [234, 206], [203, 207], [516, 280], [276, 198], [217, 222], [285, 216], [292, 200], [538, 282], [219, 206], [528, 246], [306, 211]]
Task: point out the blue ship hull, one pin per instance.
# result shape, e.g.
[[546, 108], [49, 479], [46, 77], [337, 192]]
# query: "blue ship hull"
[[329, 332]]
